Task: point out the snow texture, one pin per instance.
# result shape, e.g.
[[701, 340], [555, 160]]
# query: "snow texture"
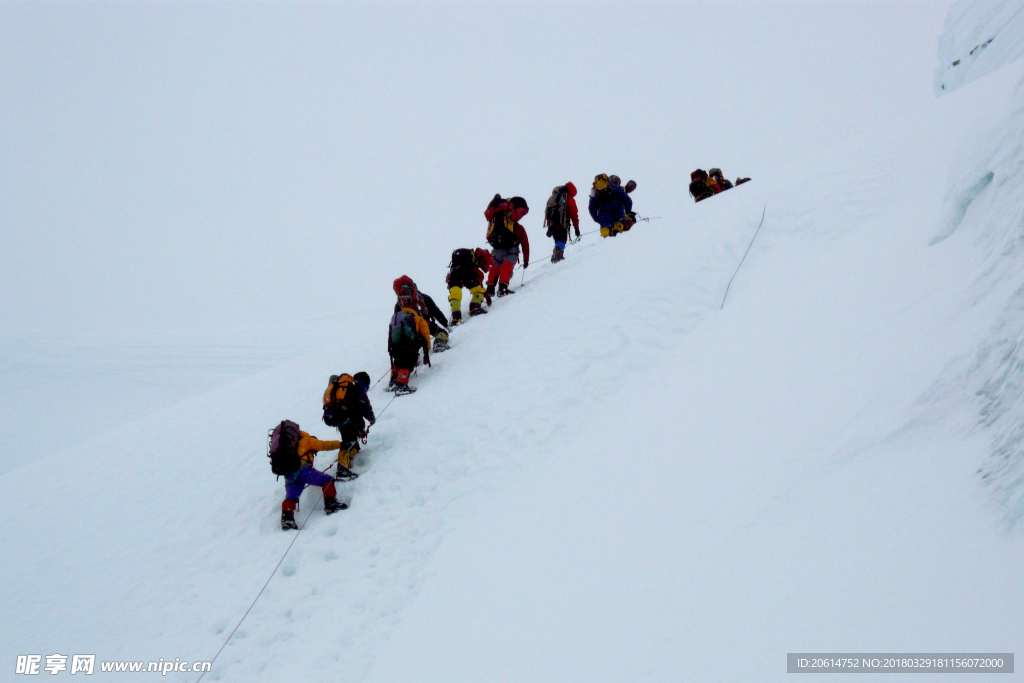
[[610, 476]]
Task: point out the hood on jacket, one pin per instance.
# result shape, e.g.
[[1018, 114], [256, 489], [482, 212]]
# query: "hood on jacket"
[[405, 279], [571, 188]]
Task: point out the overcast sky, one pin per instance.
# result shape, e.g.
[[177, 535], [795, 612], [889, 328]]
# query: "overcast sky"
[[196, 164]]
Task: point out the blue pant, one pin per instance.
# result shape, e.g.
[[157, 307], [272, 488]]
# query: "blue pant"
[[305, 476]]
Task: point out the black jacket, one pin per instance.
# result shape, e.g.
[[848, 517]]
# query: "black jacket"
[[433, 315]]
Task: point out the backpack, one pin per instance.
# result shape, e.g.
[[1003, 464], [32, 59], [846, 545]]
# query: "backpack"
[[283, 450], [698, 185], [501, 229], [462, 258], [335, 403], [402, 330], [554, 211]]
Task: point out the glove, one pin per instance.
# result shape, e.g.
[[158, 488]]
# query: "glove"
[[372, 420], [577, 233], [548, 233], [526, 265]]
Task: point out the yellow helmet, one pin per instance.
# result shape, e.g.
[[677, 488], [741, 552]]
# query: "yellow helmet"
[[601, 181]]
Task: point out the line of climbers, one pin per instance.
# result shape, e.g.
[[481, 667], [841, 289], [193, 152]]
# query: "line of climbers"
[[416, 318], [706, 184]]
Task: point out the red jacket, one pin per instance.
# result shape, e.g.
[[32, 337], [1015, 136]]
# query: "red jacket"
[[570, 205], [482, 263], [522, 239]]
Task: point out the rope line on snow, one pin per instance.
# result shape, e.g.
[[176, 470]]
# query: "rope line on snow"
[[258, 595], [381, 377], [281, 561], [744, 256]]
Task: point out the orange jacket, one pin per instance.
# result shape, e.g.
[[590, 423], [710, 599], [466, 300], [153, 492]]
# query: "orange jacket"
[[309, 445]]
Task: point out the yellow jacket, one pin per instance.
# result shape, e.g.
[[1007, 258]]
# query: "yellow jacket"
[[309, 445]]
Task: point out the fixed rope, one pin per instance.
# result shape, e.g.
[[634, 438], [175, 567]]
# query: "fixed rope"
[[258, 595], [281, 561], [744, 257]]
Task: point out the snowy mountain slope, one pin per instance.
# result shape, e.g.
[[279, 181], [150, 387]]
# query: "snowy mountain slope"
[[561, 361], [610, 476], [982, 213], [669, 419], [783, 488], [979, 38]]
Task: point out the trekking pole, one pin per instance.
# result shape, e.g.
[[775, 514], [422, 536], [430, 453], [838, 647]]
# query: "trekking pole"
[[744, 257], [648, 219]]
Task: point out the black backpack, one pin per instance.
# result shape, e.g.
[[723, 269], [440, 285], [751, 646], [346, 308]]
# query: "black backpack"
[[501, 230], [283, 450], [554, 211], [462, 258], [699, 189]]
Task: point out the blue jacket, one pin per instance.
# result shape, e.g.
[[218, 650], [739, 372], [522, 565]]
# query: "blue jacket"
[[609, 206]]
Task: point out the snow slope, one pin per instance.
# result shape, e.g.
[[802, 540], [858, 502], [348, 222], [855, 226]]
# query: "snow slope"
[[611, 476]]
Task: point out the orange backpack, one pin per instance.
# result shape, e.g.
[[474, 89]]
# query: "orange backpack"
[[334, 399]]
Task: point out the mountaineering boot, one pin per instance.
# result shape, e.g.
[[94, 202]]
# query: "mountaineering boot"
[[440, 342], [344, 474], [395, 372], [288, 521], [488, 293], [503, 289], [557, 255], [288, 514], [476, 309], [457, 316], [331, 505], [345, 459]]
